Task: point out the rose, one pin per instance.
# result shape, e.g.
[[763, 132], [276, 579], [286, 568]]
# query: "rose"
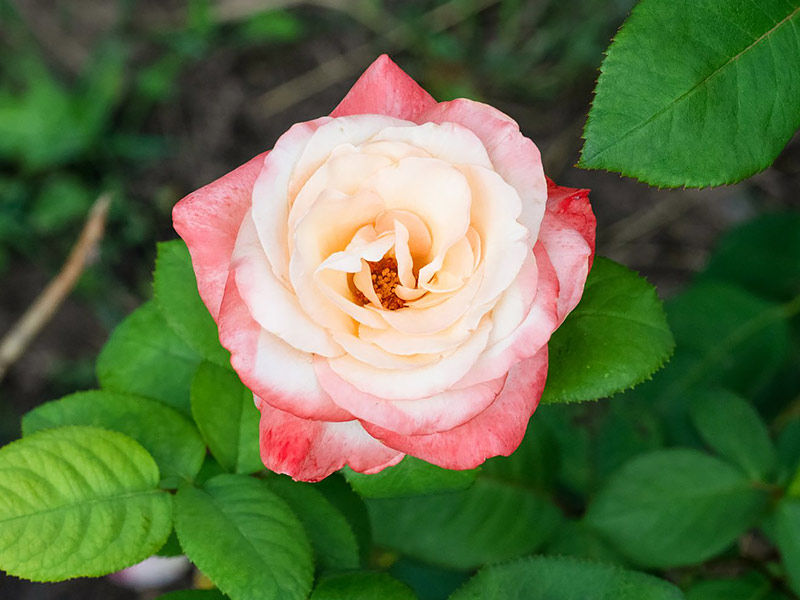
[[387, 278]]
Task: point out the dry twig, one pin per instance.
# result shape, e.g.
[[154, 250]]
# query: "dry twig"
[[16, 341]]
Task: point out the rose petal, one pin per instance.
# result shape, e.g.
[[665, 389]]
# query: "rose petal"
[[436, 413], [448, 141], [271, 304], [270, 204], [385, 89], [208, 220], [526, 339], [421, 382], [271, 368], [310, 450], [515, 157], [567, 233], [498, 430]]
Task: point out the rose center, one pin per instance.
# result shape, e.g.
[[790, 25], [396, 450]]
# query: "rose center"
[[384, 280]]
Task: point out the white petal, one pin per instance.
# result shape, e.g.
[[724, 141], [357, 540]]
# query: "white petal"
[[413, 383], [271, 304], [448, 141]]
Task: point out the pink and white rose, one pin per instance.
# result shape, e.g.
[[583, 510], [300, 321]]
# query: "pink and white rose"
[[387, 278]]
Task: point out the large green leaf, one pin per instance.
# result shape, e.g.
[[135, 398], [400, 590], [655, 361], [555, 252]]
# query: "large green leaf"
[[167, 435], [410, 477], [787, 531], [750, 586], [492, 520], [245, 538], [615, 338], [78, 502], [193, 595], [362, 586], [762, 256], [227, 418], [697, 92], [675, 507], [733, 428], [144, 357], [732, 338], [175, 293], [334, 543], [551, 578]]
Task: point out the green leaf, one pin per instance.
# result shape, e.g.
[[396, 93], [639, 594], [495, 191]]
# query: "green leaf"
[[167, 435], [734, 339], [193, 595], [351, 505], [787, 532], [733, 429], [675, 507], [615, 338], [762, 256], [550, 578], [750, 586], [410, 477], [334, 543], [175, 292], [144, 357], [492, 520], [245, 538], [535, 463], [706, 101], [78, 502], [362, 586], [789, 456], [227, 418], [574, 538]]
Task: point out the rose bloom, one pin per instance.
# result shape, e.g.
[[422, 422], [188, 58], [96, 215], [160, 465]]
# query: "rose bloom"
[[387, 278]]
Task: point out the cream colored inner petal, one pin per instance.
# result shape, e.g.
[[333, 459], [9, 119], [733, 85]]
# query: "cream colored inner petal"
[[447, 141]]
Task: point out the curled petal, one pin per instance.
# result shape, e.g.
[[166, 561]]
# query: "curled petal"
[[208, 220], [567, 235], [426, 415], [498, 430], [310, 450], [278, 373], [515, 157], [525, 340], [410, 383], [385, 89], [274, 306]]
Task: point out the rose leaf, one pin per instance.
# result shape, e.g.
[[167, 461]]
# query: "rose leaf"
[[166, 434], [245, 538], [709, 100], [79, 502]]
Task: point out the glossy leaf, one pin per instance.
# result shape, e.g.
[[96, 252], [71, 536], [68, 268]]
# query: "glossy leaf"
[[410, 477], [750, 586], [175, 293], [245, 538], [548, 578], [675, 507], [78, 502], [787, 531], [144, 357], [490, 521], [615, 338], [227, 418], [708, 100], [193, 595], [166, 434], [762, 256], [362, 586], [334, 543], [733, 429]]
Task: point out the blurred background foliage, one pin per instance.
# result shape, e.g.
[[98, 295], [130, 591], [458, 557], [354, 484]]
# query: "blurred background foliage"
[[149, 100]]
